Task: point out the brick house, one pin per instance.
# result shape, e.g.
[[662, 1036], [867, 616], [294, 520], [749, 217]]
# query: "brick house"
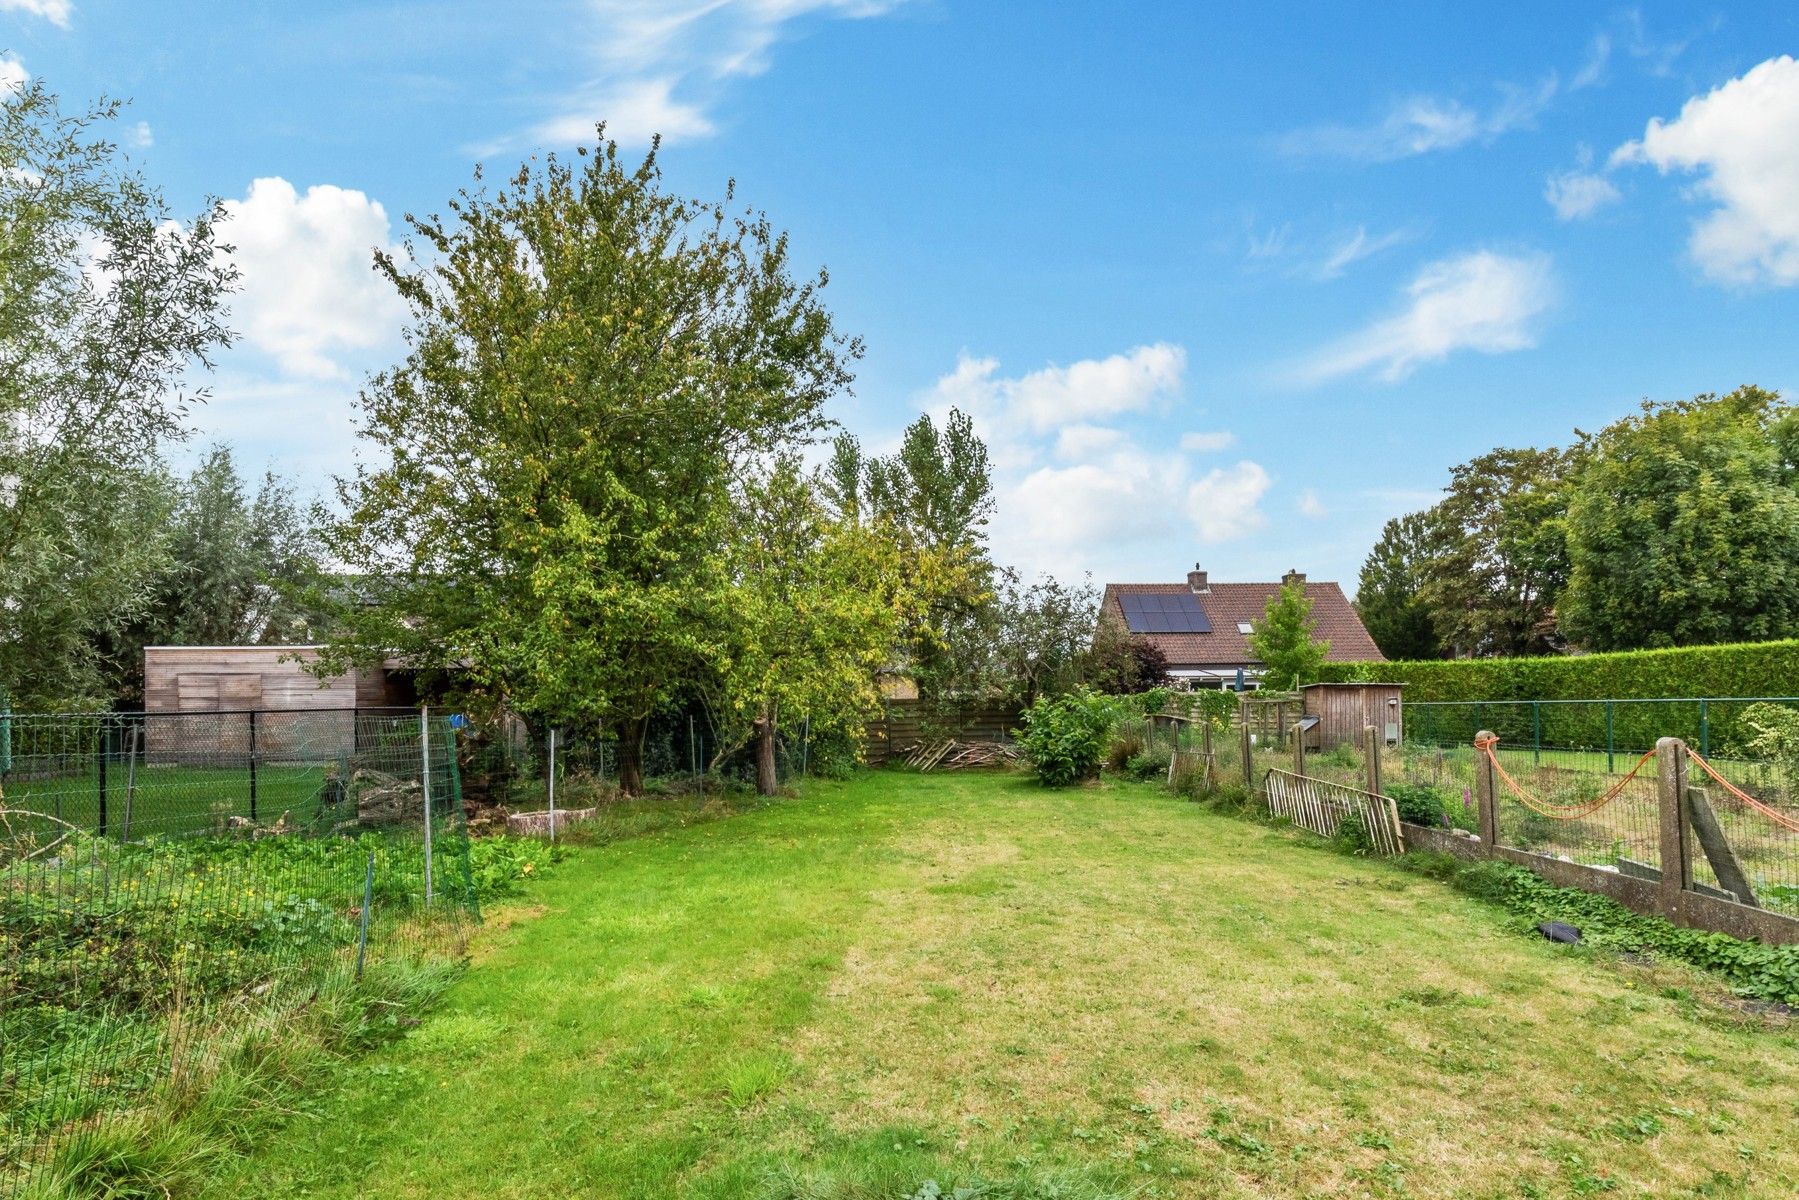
[[1203, 627]]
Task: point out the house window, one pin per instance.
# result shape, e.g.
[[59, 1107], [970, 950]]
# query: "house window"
[[1245, 627]]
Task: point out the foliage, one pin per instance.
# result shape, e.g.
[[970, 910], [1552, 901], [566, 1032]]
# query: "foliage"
[[549, 488], [1683, 526], [1771, 733], [1284, 639], [1064, 736], [1752, 969], [236, 568], [1499, 555], [1756, 669], [815, 605], [1148, 764], [1390, 593], [936, 494], [1421, 803], [1043, 636], [106, 304]]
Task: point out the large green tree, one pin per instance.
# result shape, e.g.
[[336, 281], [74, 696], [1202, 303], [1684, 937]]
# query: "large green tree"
[[1683, 526], [1499, 555], [936, 494], [236, 566], [546, 507], [1390, 595], [107, 303]]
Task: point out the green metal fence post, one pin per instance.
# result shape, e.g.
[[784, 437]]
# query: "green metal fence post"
[[1536, 730], [1705, 730], [1610, 749], [252, 764], [105, 747]]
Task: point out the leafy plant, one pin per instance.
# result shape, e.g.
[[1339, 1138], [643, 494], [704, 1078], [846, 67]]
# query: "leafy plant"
[[1421, 803], [1064, 736]]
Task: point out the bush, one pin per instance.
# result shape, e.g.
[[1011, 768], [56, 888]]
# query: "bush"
[[1151, 763], [1064, 736], [1421, 803], [1124, 743]]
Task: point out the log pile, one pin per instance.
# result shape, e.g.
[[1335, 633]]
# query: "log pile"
[[951, 754]]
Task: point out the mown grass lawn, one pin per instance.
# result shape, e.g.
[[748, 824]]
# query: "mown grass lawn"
[[1098, 992]]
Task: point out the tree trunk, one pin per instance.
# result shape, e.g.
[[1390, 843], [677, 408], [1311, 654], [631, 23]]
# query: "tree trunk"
[[765, 755], [630, 755]]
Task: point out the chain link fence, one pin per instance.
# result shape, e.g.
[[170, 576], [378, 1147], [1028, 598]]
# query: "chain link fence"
[[180, 893]]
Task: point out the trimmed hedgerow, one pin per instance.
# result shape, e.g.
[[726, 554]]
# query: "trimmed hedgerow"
[[1746, 669]]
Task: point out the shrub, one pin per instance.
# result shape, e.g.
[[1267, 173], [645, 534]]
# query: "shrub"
[[1151, 763], [1421, 803], [1064, 736], [1352, 835], [1123, 743]]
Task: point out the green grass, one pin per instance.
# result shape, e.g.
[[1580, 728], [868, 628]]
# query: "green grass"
[[173, 801], [1101, 992]]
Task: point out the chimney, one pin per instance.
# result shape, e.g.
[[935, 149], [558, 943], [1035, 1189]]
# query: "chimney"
[[1294, 576], [1196, 580]]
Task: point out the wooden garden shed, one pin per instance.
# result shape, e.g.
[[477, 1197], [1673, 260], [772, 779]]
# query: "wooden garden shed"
[[1345, 709]]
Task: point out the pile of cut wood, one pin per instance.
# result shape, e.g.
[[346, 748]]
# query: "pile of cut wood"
[[953, 755]]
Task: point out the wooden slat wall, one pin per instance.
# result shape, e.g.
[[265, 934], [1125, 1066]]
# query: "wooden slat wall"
[[1344, 710], [904, 725], [210, 679]]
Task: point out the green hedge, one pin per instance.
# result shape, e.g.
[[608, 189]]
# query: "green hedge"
[[1494, 693]]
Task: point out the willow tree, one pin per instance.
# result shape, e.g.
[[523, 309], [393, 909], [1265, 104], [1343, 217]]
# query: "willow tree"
[[107, 302], [543, 508]]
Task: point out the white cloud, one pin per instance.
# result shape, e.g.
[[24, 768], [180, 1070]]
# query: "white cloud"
[[1423, 124], [1577, 194], [142, 136], [13, 74], [1310, 505], [1208, 443], [1481, 301], [1074, 489], [1743, 137], [54, 11], [1225, 503], [1357, 246], [1592, 72], [634, 113], [309, 295], [658, 66], [1054, 396]]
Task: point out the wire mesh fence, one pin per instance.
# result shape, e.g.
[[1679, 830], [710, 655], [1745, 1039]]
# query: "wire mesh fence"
[[513, 762], [172, 890], [1618, 729]]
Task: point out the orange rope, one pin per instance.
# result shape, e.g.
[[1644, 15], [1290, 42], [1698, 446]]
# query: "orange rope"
[[1560, 812], [1773, 814]]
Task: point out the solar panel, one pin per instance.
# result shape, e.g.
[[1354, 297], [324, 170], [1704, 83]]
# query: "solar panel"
[[1164, 612]]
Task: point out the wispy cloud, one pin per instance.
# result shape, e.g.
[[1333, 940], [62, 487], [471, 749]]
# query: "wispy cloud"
[[57, 12], [1357, 246], [661, 66], [13, 74], [1423, 125], [1482, 301]]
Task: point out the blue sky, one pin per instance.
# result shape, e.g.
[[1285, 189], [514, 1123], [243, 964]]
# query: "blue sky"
[[1228, 286]]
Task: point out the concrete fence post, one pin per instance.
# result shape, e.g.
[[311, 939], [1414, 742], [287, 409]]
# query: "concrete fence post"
[[1671, 795], [1373, 739], [1246, 739], [1486, 791]]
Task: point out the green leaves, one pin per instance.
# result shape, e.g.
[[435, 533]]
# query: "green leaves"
[[1283, 639], [1065, 736]]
